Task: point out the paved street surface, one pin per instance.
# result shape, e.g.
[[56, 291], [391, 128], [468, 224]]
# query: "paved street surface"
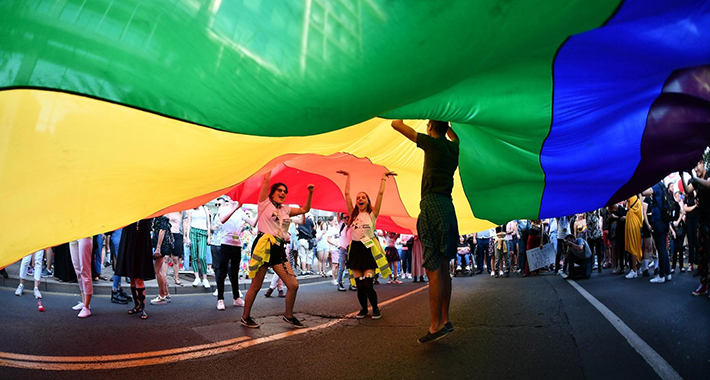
[[533, 328]]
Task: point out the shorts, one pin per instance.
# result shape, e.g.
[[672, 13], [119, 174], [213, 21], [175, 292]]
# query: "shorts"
[[305, 254], [179, 246]]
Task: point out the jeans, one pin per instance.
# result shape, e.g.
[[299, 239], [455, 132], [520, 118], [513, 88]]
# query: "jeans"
[[113, 246], [691, 228], [462, 258], [558, 256], [96, 270], [677, 249], [502, 254], [226, 262], [595, 245], [660, 234], [406, 261], [482, 253], [342, 257]]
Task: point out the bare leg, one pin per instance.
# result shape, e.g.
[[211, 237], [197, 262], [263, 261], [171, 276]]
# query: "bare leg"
[[157, 267], [176, 269], [439, 296], [164, 274]]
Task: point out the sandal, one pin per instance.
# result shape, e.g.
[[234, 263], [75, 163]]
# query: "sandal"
[[178, 283], [143, 314], [135, 310]]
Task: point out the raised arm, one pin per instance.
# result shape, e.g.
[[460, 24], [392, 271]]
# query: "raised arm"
[[452, 135], [307, 207], [405, 130], [648, 192], [226, 212], [346, 191], [264, 192], [378, 202]]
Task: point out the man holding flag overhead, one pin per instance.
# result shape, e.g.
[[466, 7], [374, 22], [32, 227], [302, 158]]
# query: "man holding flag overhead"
[[437, 225]]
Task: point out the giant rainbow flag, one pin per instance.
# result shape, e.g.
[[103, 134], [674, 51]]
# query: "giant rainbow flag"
[[112, 111]]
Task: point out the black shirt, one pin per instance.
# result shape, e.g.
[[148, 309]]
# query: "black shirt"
[[441, 158], [702, 198], [305, 230]]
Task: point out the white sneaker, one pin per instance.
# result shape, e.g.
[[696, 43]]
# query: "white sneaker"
[[658, 280], [158, 301], [632, 274], [206, 284], [78, 306], [458, 267], [239, 302], [215, 293], [668, 277], [196, 283], [220, 305], [493, 273], [20, 289], [38, 295], [84, 313], [468, 268]]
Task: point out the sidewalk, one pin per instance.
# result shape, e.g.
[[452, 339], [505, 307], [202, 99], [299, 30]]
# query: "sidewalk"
[[52, 284]]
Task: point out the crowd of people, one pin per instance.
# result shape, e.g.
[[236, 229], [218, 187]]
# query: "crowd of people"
[[646, 235]]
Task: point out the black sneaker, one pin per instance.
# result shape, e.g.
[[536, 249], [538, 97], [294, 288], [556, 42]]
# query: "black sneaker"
[[362, 314], [250, 323], [429, 337], [449, 326], [353, 288], [293, 321], [126, 296], [341, 288], [116, 297], [376, 314], [268, 292]]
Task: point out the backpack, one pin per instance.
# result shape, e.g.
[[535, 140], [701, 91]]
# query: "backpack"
[[668, 206]]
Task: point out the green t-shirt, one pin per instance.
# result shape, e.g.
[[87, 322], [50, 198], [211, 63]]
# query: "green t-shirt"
[[441, 158]]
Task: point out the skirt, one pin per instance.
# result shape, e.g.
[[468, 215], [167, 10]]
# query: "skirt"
[[391, 254], [360, 257], [135, 254]]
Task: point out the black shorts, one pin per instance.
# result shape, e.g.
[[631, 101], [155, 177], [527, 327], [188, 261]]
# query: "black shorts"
[[179, 247]]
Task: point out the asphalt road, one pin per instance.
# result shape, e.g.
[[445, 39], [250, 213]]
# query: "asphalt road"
[[532, 328]]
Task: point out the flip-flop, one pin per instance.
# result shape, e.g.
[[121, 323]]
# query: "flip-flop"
[[178, 283]]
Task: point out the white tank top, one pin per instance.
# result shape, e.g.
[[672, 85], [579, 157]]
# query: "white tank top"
[[199, 218]]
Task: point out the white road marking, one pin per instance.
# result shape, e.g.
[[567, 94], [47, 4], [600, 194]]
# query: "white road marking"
[[660, 365]]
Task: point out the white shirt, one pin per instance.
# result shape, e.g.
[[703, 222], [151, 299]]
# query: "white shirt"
[[199, 218], [363, 225], [343, 234], [273, 221], [232, 229]]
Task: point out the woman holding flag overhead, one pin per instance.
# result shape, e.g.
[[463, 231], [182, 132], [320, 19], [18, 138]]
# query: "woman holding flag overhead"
[[365, 255], [268, 250]]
